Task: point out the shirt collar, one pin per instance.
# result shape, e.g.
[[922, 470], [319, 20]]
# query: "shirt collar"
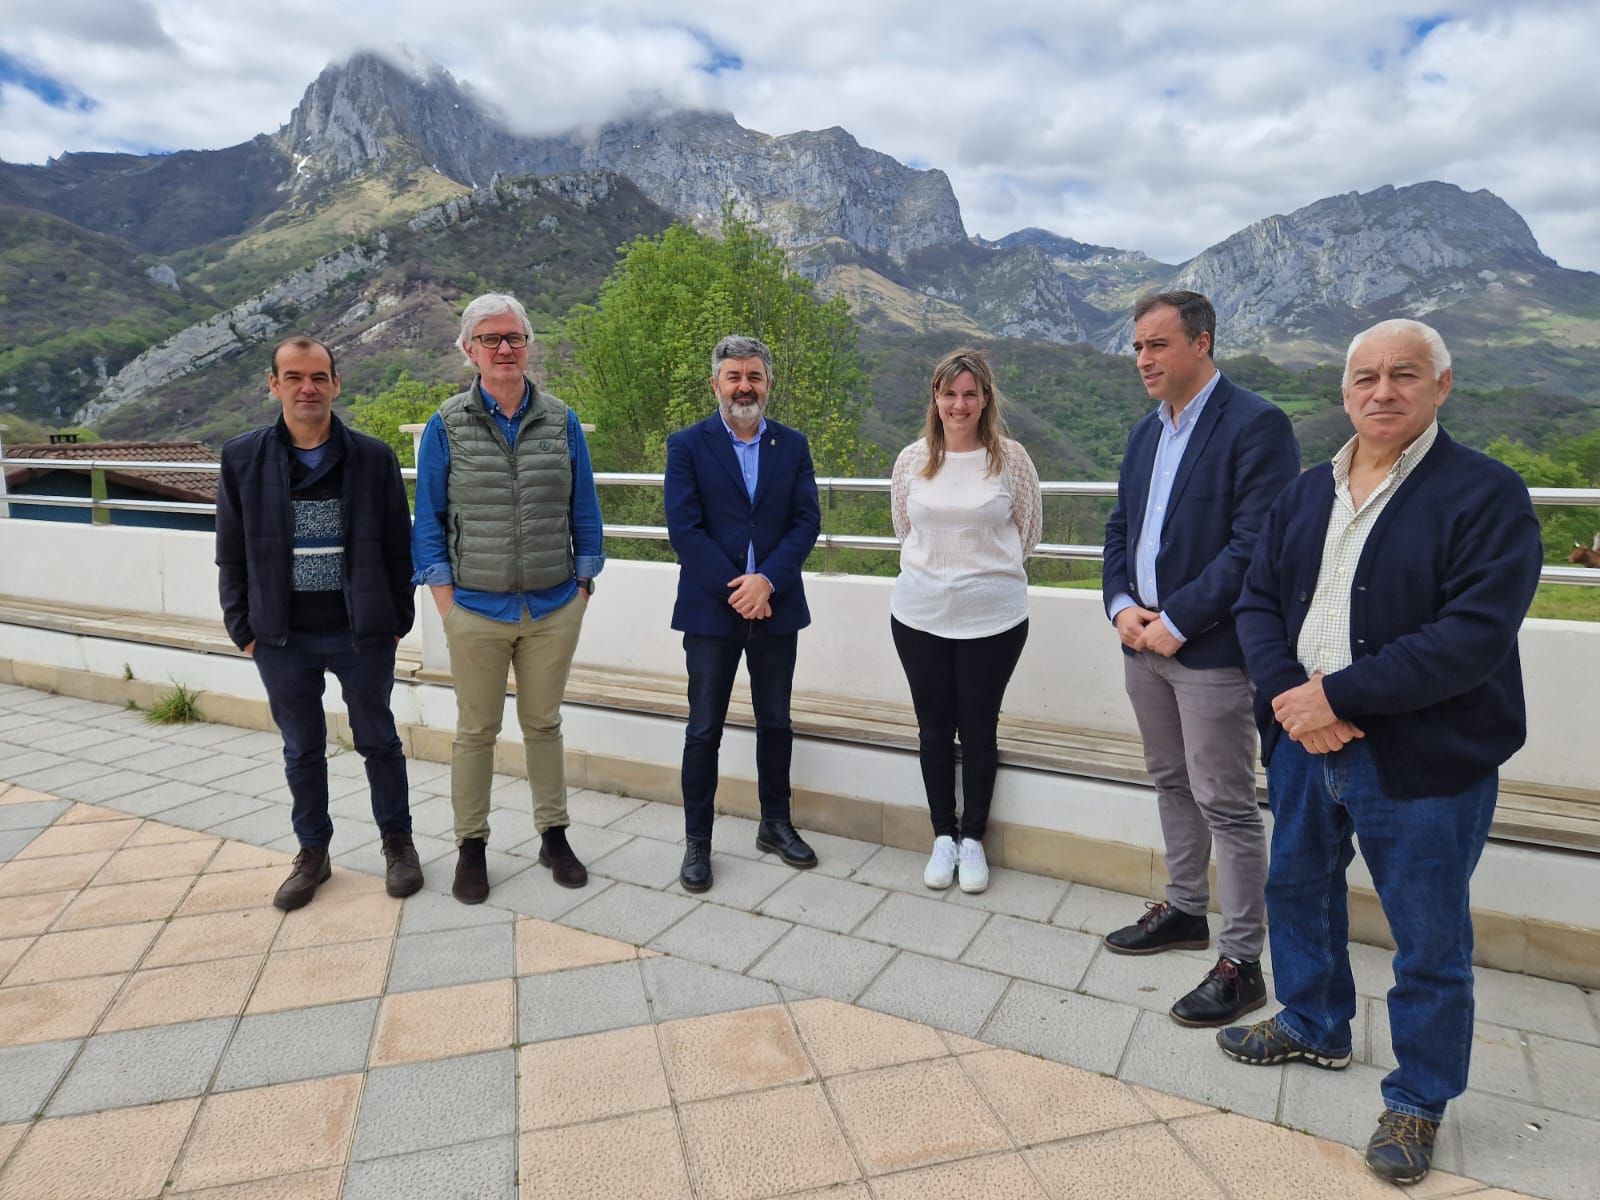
[[1191, 410], [493, 406], [1404, 465], [761, 430]]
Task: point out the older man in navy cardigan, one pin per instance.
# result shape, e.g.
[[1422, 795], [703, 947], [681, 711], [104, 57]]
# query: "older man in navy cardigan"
[[742, 513], [1379, 622]]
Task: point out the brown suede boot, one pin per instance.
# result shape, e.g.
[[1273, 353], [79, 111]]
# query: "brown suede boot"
[[472, 873], [311, 869], [554, 853]]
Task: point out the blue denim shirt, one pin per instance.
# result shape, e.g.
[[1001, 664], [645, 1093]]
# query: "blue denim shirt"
[[749, 456], [430, 556], [1173, 442]]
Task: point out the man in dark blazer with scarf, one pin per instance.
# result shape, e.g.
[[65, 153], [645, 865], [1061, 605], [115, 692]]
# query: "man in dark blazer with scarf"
[[742, 513], [1379, 622], [1197, 479]]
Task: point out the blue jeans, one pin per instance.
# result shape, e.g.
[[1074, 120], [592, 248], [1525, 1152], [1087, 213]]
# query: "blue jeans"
[[1421, 853], [293, 674], [712, 663]]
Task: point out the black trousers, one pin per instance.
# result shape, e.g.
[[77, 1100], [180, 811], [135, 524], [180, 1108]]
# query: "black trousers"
[[957, 685]]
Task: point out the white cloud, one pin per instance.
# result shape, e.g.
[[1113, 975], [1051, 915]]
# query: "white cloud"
[[1161, 127]]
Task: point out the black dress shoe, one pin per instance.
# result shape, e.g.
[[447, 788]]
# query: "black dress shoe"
[[695, 874], [780, 838], [1161, 928], [564, 866], [1227, 992], [472, 873]]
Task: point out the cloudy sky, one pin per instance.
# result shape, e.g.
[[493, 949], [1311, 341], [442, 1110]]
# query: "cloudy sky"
[[1160, 127]]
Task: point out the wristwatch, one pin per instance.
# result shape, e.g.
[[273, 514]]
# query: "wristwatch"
[[586, 586]]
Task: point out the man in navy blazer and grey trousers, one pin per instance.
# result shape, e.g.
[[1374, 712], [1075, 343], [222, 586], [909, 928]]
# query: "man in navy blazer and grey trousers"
[[1197, 479], [1379, 621], [742, 512]]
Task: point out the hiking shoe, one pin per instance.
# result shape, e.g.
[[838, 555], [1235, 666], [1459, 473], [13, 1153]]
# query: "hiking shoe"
[[973, 867], [1401, 1148], [472, 872], [1229, 990], [1267, 1043], [564, 866], [403, 874], [312, 868], [1161, 928], [940, 872]]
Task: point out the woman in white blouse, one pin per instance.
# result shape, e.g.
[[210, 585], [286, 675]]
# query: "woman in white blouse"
[[967, 511]]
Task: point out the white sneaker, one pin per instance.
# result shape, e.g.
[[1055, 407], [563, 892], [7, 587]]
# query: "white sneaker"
[[941, 869], [974, 867]]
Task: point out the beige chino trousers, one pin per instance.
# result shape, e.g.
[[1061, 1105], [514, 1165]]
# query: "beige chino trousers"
[[539, 654]]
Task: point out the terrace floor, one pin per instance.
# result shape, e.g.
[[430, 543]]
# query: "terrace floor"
[[844, 1032]]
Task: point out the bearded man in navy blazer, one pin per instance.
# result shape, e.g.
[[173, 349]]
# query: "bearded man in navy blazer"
[[1198, 477], [742, 513]]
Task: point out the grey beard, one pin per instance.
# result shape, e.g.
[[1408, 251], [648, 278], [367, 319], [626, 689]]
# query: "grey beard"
[[744, 410]]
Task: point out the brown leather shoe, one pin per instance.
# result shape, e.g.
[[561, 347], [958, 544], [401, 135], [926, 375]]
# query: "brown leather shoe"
[[554, 853], [472, 873], [403, 875], [312, 868]]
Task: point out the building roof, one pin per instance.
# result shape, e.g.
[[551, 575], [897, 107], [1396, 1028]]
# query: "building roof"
[[192, 486]]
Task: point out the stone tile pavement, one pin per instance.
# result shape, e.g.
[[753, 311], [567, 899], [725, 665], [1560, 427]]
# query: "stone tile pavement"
[[165, 1032]]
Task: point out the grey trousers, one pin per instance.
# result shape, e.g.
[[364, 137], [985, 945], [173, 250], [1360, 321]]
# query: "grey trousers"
[[1200, 749]]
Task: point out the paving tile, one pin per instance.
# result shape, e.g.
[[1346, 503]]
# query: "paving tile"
[[1042, 1101], [1030, 950], [1169, 1108], [158, 798], [661, 821], [629, 913], [728, 1053], [80, 839], [1064, 1026], [157, 862], [1015, 893], [543, 946], [429, 912], [1186, 1062], [264, 1132], [434, 817], [217, 809], [914, 1115], [1099, 1165], [87, 814], [1535, 1150], [721, 937], [997, 1177], [10, 1135], [1097, 910], [1153, 982], [445, 1022], [531, 893], [842, 1038], [321, 975], [192, 992], [582, 1160], [68, 871], [159, 833], [585, 1000], [641, 860], [120, 903], [1499, 1063], [733, 1154], [255, 743], [590, 1078], [31, 915], [741, 883], [28, 1074], [71, 739], [10, 951], [926, 926], [938, 993], [485, 1170], [824, 903], [121, 1155], [452, 956], [142, 1066], [1567, 1074], [112, 950], [243, 856], [963, 1045], [159, 757], [37, 815], [211, 768], [54, 1012], [57, 779], [1342, 1106], [108, 789], [14, 841], [234, 889], [838, 856], [678, 988], [256, 780], [1519, 1001], [822, 963], [198, 734], [901, 870], [401, 1112], [332, 919], [306, 1185], [601, 808], [303, 1043]]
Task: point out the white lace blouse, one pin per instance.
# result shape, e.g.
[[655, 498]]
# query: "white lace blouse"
[[964, 536]]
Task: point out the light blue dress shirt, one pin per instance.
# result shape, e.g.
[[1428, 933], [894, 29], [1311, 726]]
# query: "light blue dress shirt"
[[749, 456], [1170, 445]]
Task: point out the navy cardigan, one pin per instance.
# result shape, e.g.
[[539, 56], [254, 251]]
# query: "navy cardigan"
[[1439, 593]]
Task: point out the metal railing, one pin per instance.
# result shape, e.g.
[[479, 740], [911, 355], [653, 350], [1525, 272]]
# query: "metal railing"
[[101, 506]]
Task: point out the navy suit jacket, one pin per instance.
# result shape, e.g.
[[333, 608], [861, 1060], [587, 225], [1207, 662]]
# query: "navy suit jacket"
[[1241, 453], [712, 521]]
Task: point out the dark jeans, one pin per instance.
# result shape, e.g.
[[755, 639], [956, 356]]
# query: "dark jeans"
[[712, 663], [957, 685], [1421, 853], [293, 675]]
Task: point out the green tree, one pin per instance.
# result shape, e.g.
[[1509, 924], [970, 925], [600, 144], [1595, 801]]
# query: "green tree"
[[637, 363], [408, 402], [1557, 467]]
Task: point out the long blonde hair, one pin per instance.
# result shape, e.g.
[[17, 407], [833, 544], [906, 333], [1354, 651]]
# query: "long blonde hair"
[[991, 421]]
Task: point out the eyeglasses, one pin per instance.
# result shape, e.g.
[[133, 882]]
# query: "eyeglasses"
[[491, 340]]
